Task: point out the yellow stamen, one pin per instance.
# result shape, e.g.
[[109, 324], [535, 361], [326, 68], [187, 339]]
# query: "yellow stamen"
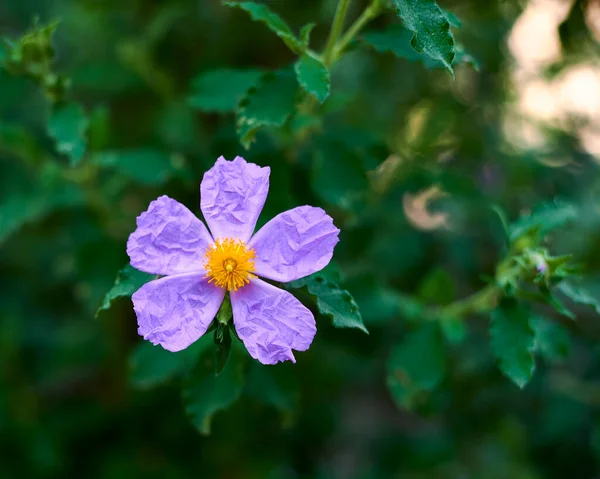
[[229, 264]]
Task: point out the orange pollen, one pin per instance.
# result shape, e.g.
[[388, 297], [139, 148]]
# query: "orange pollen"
[[229, 264]]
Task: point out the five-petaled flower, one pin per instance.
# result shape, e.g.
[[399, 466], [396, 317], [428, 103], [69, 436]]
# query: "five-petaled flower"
[[174, 311]]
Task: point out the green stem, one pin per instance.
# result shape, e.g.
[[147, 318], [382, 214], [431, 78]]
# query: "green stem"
[[372, 11], [482, 301], [336, 30]]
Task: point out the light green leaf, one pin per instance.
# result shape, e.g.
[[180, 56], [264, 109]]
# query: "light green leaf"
[[204, 393], [128, 281], [431, 29], [513, 341], [332, 301], [552, 340], [313, 76], [579, 295], [305, 32], [152, 365], [269, 104], [274, 22], [67, 125], [416, 365], [146, 166], [221, 90]]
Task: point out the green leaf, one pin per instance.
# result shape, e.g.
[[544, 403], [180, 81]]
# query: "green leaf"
[[437, 288], [552, 340], [152, 365], [274, 22], [453, 20], [397, 40], [332, 301], [305, 32], [221, 90], [416, 365], [513, 341], [204, 393], [146, 166], [313, 76], [269, 104], [128, 281], [431, 29], [579, 295], [67, 125], [543, 220]]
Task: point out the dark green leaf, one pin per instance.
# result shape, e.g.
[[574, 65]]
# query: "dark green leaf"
[[274, 22], [579, 295], [221, 90], [437, 288], [204, 393], [332, 301], [146, 166], [152, 365], [416, 365], [453, 20], [67, 125], [269, 104], [313, 76], [543, 220], [128, 281], [222, 340], [431, 29], [513, 340], [552, 340]]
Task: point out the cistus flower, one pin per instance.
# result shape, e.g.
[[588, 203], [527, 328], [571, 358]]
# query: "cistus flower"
[[200, 267]]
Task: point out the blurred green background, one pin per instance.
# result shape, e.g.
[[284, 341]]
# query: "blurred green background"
[[408, 162]]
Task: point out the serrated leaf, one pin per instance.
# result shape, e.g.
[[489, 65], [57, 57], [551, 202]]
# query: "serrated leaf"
[[128, 281], [305, 32], [431, 29], [221, 90], [416, 365], [274, 22], [67, 125], [579, 295], [543, 220], [313, 76], [453, 20], [146, 166], [332, 301], [513, 341], [205, 394], [152, 365], [397, 40], [552, 340], [269, 104]]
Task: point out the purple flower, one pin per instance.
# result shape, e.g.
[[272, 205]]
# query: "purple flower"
[[199, 268]]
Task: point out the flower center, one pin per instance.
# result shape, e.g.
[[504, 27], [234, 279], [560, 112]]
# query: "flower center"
[[229, 264]]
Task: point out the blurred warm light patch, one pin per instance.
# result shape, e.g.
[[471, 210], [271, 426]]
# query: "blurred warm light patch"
[[416, 209]]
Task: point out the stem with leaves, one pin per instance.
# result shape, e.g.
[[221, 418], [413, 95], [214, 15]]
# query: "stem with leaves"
[[336, 30]]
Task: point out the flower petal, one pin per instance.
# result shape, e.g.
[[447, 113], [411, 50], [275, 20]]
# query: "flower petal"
[[271, 322], [175, 311], [169, 239], [294, 244], [232, 195]]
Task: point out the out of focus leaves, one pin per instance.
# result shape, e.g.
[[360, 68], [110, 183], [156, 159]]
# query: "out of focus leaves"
[[204, 393], [552, 340], [313, 76], [270, 103], [274, 22], [332, 301], [128, 281], [146, 166], [544, 219], [221, 90], [416, 365], [67, 125], [152, 365], [513, 341], [578, 294], [305, 32], [431, 29]]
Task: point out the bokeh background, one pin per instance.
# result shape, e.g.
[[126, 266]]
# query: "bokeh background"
[[406, 160]]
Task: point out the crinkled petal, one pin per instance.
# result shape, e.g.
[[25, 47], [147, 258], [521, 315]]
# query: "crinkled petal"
[[169, 239], [176, 310], [232, 195], [294, 244], [271, 322]]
